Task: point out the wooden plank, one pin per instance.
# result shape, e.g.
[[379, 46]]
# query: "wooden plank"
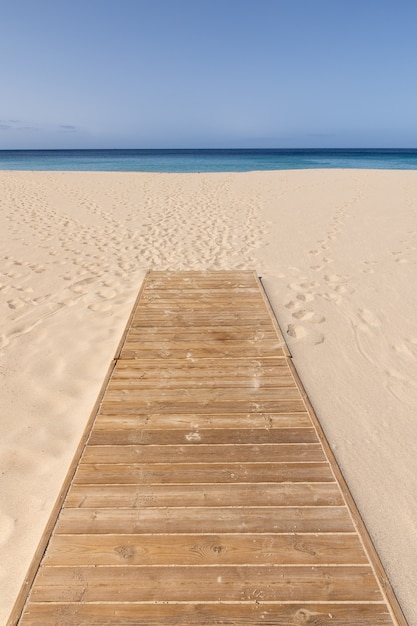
[[199, 320], [236, 304], [218, 285], [203, 289], [136, 350], [267, 494], [129, 394], [112, 435], [204, 407], [202, 473], [200, 421], [262, 366], [200, 383], [199, 584], [178, 333], [205, 520], [161, 279], [203, 299], [179, 287], [293, 549], [202, 453], [253, 613]]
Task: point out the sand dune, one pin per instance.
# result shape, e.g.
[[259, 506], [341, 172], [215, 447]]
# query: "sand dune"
[[337, 250]]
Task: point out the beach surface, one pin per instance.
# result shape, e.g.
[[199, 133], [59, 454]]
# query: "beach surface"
[[337, 251]]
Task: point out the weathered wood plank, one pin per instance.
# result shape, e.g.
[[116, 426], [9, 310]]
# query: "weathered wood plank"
[[293, 549], [167, 276], [136, 350], [202, 299], [215, 407], [136, 496], [243, 300], [225, 333], [205, 520], [202, 473], [184, 290], [202, 453], [196, 321], [199, 584], [213, 383], [252, 613], [199, 421], [218, 281], [110, 434], [127, 393], [232, 368], [265, 345]]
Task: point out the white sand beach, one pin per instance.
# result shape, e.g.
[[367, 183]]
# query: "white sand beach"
[[337, 250]]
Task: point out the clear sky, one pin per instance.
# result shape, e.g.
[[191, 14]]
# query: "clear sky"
[[208, 73]]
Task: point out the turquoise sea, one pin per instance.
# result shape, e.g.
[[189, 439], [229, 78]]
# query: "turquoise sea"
[[233, 160]]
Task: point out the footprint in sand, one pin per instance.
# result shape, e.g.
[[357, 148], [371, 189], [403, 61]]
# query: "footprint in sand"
[[15, 303], [324, 261], [303, 294], [100, 307], [310, 285], [303, 286], [398, 253], [369, 318], [309, 316], [296, 331], [333, 279], [305, 297], [344, 289], [331, 297], [107, 293], [369, 269]]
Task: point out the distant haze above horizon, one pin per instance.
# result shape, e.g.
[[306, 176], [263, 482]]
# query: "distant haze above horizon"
[[208, 74]]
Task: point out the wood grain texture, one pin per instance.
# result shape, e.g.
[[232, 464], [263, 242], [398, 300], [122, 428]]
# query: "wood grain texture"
[[146, 436], [205, 453], [201, 473], [202, 421], [204, 519], [134, 583], [251, 549], [217, 494], [204, 494], [255, 613]]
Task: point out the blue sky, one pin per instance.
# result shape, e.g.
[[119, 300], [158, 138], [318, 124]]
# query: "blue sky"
[[208, 73]]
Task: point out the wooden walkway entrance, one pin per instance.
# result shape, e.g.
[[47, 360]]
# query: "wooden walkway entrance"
[[206, 492]]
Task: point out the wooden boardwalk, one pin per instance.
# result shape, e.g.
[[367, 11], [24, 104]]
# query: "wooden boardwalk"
[[205, 492]]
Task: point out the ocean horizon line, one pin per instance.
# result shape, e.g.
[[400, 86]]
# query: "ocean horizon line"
[[190, 160], [215, 149]]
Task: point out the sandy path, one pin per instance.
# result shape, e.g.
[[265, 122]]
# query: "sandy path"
[[337, 250]]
